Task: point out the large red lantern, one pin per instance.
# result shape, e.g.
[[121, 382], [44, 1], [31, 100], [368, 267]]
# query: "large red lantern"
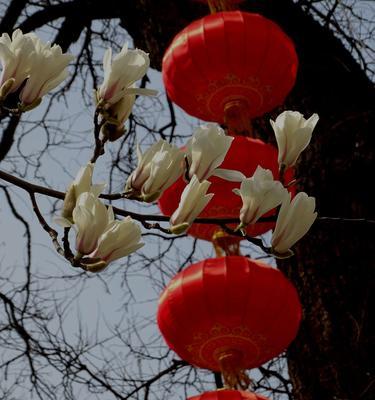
[[228, 395], [228, 59], [229, 314], [244, 155]]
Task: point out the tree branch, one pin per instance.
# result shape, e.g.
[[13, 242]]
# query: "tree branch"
[[7, 139]]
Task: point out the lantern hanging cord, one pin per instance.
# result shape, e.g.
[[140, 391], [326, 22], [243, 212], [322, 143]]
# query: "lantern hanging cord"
[[225, 244], [236, 118], [234, 374], [220, 5]]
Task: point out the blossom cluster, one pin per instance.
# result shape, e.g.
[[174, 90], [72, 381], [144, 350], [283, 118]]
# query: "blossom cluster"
[[261, 193], [163, 163], [31, 68], [100, 238]]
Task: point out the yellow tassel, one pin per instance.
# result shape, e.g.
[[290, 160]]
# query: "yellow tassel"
[[234, 375]]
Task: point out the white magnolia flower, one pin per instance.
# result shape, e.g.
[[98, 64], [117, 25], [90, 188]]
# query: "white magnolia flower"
[[121, 73], [206, 151], [82, 183], [91, 218], [259, 194], [293, 134], [294, 220], [119, 239], [48, 70], [158, 168], [99, 236], [16, 54], [193, 200]]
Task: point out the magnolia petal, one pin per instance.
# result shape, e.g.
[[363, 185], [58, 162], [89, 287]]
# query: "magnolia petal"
[[127, 67], [110, 214], [53, 83], [107, 59], [229, 174], [192, 202], [119, 239], [263, 174], [282, 218], [151, 197], [293, 134], [63, 222], [179, 229], [139, 153], [141, 91], [97, 188], [124, 252], [294, 220], [201, 206], [282, 256], [312, 121], [207, 150]]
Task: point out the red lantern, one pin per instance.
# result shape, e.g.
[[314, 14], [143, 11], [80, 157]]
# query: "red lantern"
[[229, 314], [244, 155], [228, 395], [228, 58]]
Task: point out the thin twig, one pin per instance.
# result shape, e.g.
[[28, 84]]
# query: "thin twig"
[[99, 143], [51, 232]]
